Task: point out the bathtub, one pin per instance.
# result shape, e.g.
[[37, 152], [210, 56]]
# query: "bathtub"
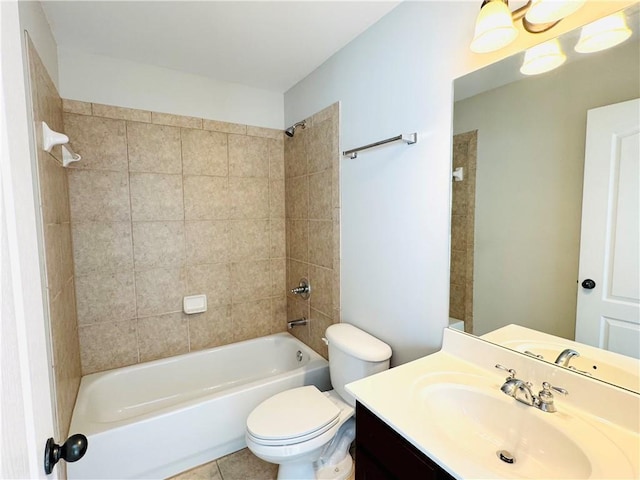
[[157, 419]]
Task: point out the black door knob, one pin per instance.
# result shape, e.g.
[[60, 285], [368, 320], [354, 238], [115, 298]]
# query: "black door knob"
[[72, 450], [588, 284]]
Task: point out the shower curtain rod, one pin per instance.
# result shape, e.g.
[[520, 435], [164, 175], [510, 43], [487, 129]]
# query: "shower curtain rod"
[[409, 138]]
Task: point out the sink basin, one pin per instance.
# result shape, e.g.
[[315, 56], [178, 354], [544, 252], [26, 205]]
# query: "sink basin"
[[482, 424]]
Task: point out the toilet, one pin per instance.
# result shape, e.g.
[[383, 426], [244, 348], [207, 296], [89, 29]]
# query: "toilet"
[[308, 432]]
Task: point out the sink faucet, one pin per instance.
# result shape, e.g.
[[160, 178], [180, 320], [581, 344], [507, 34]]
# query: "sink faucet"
[[565, 356], [521, 391]]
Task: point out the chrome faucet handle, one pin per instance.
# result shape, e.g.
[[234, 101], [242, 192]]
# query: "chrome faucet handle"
[[545, 397], [512, 372]]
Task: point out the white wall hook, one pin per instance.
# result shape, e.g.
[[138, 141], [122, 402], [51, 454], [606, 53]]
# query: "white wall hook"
[[50, 139], [458, 174]]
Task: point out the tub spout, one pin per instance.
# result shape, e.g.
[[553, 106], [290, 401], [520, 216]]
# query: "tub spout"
[[295, 323]]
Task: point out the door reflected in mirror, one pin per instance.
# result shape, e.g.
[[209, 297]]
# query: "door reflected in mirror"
[[517, 213]]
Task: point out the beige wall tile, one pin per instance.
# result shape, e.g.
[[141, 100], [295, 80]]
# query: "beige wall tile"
[[458, 266], [264, 132], [295, 154], [320, 195], [158, 244], [120, 113], [76, 106], [207, 241], [54, 193], [458, 232], [321, 280], [156, 197], [206, 198], [105, 297], [320, 149], [53, 248], [100, 141], [66, 252], [457, 301], [224, 127], [250, 281], [251, 319], [330, 112], [318, 325], [297, 309], [249, 197], [99, 196], [102, 247], [176, 120], [104, 346], [321, 243], [160, 291], [211, 328], [297, 197], [278, 238], [278, 276], [248, 156], [276, 199], [163, 336], [249, 240], [153, 148], [204, 153], [276, 158], [279, 314], [298, 237], [212, 280]]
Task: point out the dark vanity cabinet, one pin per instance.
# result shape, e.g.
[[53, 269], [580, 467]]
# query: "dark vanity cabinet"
[[383, 454]]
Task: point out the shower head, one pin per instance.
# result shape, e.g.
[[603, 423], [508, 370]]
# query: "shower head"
[[291, 130]]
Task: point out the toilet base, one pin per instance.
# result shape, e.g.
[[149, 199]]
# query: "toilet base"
[[296, 471], [343, 470]]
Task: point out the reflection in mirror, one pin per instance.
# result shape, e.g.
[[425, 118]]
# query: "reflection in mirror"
[[517, 212]]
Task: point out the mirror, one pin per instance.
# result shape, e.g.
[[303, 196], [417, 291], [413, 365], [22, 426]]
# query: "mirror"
[[516, 215]]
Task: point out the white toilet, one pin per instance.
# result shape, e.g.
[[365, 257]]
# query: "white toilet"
[[308, 432]]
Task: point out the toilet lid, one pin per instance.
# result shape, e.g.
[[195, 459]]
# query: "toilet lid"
[[295, 413]]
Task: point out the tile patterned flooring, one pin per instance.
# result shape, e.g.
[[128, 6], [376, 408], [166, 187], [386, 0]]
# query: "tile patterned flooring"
[[241, 465]]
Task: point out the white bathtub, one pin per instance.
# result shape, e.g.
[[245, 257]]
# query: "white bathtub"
[[156, 419]]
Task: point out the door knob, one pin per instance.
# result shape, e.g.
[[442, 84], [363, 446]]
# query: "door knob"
[[588, 284], [72, 450]]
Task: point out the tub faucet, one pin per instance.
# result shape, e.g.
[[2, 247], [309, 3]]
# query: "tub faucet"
[[295, 323], [565, 357]]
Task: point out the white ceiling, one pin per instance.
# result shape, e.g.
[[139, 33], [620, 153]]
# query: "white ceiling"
[[263, 44]]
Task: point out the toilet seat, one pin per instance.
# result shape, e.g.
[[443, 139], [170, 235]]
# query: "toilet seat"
[[292, 416]]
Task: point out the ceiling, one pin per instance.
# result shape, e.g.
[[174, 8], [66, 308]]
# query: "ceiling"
[[263, 44]]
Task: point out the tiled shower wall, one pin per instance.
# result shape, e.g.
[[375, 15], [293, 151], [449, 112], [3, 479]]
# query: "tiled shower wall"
[[60, 293], [164, 206], [313, 224], [462, 229]]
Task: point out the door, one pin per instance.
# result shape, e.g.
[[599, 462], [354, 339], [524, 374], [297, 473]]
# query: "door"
[[26, 408], [608, 313]]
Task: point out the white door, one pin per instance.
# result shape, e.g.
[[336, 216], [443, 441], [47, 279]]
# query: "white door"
[[608, 313], [26, 408]]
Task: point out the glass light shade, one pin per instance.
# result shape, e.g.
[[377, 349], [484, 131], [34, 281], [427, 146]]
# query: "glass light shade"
[[604, 33], [494, 28], [549, 11], [543, 58]]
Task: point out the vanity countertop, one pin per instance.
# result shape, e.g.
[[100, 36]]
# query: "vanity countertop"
[[450, 407]]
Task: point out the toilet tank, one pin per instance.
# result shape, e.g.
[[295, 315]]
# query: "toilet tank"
[[354, 354]]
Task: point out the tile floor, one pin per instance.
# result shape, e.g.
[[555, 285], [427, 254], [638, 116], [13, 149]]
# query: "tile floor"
[[241, 465]]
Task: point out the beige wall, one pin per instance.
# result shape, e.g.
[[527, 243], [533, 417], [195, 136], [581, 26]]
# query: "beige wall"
[[60, 293], [313, 224], [164, 206], [531, 137], [463, 204]]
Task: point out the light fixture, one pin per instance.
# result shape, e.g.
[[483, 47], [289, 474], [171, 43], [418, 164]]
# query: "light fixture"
[[604, 33], [549, 11], [543, 58], [494, 25]]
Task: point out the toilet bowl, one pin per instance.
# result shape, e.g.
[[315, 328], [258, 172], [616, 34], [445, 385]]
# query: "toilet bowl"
[[308, 432], [295, 436]]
